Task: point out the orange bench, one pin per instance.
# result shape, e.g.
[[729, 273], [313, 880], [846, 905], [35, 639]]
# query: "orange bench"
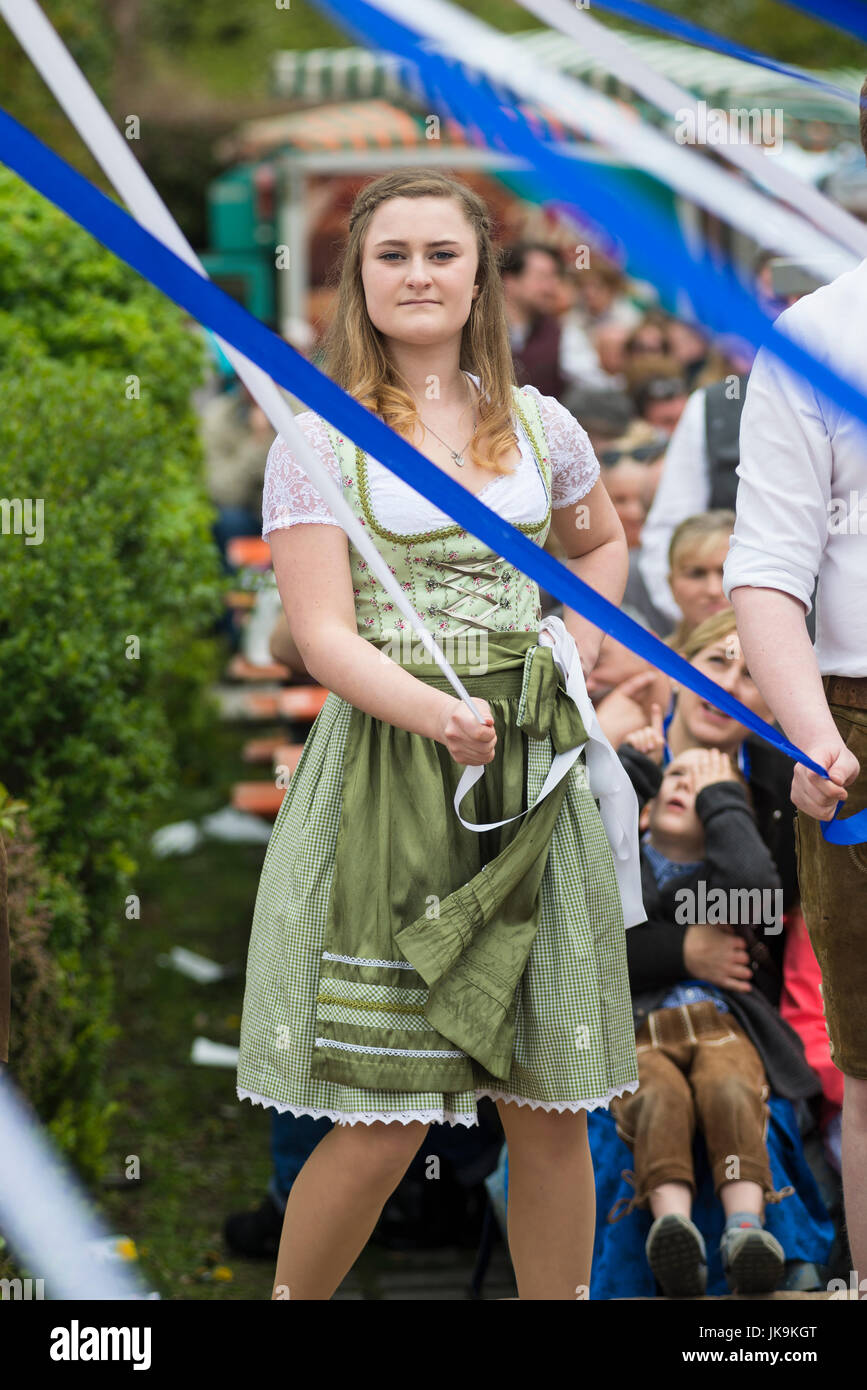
[[241, 599], [258, 798], [251, 552], [240, 669], [262, 750], [302, 702], [287, 755], [256, 704]]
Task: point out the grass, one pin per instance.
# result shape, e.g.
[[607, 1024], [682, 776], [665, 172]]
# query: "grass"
[[183, 1152], [201, 1153]]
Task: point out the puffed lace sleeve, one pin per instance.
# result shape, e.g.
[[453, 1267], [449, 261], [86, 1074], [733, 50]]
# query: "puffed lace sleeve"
[[574, 465], [288, 496]]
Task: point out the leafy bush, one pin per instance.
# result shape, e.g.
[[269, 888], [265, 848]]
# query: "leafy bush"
[[106, 616], [52, 1017]]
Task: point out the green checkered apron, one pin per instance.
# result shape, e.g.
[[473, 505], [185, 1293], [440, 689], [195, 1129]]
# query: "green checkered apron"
[[335, 1018]]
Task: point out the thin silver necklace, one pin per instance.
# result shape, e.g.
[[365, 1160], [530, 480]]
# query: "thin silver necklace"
[[458, 457]]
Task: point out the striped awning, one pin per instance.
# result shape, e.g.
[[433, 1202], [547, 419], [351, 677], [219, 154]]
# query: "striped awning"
[[722, 81], [338, 74], [359, 125], [331, 74]]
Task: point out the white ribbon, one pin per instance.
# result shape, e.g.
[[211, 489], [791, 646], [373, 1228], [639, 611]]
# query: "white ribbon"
[[112, 152], [607, 778], [611, 50], [501, 57], [46, 1215]]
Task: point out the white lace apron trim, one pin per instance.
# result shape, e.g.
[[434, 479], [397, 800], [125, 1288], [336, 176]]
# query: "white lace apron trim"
[[365, 1117], [406, 1117], [563, 1105]]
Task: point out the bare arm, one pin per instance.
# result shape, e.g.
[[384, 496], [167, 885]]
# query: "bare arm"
[[311, 566], [592, 536], [283, 648], [783, 664], [785, 482]]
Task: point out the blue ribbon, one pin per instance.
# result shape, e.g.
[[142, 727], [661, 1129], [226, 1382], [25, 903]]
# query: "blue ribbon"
[[848, 15], [556, 175], [472, 100], [688, 32], [211, 306]]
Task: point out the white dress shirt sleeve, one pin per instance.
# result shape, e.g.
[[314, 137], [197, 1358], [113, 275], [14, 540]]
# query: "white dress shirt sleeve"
[[785, 482], [684, 490]]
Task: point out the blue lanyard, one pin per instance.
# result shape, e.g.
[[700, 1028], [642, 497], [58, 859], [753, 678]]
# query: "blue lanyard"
[[744, 759]]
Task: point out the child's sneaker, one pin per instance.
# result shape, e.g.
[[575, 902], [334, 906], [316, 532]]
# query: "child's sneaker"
[[753, 1260], [677, 1256]]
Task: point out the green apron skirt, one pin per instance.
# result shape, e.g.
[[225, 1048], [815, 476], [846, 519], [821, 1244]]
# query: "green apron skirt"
[[401, 965]]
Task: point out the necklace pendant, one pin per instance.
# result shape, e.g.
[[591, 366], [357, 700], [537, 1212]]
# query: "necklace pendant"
[[458, 458]]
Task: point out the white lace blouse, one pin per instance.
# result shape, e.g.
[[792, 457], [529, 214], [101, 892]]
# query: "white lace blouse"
[[289, 498]]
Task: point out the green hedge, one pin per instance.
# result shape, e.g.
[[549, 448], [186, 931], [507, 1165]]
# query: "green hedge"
[[51, 1056], [105, 624]]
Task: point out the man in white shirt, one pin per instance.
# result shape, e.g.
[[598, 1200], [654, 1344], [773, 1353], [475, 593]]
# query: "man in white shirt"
[[802, 515], [695, 478]]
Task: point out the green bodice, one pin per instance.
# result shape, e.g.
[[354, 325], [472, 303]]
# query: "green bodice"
[[454, 581]]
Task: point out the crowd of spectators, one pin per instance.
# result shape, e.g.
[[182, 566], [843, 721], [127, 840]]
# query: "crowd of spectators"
[[727, 1010]]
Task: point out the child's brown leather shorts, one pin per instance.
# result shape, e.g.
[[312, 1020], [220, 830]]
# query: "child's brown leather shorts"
[[696, 1067]]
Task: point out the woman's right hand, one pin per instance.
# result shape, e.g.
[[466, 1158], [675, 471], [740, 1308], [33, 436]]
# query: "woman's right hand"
[[717, 954], [469, 742]]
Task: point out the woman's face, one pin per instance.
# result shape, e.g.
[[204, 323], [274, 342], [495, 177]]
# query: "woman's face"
[[598, 294], [626, 485], [648, 338], [418, 268], [699, 723], [687, 342], [696, 581]]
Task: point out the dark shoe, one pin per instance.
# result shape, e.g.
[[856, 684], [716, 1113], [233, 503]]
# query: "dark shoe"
[[255, 1234], [753, 1260], [677, 1256]]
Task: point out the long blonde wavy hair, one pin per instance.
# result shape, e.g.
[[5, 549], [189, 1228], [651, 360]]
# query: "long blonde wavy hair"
[[354, 352]]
